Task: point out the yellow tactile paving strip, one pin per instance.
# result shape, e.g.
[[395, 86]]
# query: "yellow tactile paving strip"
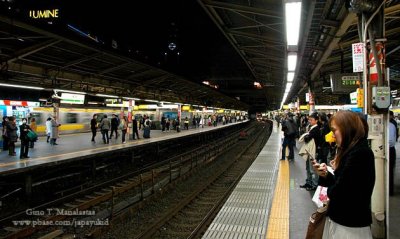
[[278, 222]]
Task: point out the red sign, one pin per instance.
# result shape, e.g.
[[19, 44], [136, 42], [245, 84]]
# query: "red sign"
[[15, 103], [373, 72]]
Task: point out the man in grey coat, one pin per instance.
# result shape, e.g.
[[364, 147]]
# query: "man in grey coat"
[[105, 126]]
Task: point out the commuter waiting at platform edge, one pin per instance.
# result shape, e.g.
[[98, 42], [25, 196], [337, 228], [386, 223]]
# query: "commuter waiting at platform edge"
[[33, 126], [4, 133], [351, 184], [289, 129], [54, 131], [135, 128], [93, 127], [23, 134], [123, 126], [12, 136], [105, 126], [114, 126], [313, 134]]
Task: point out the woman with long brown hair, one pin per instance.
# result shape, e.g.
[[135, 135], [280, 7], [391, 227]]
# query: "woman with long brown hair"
[[350, 186]]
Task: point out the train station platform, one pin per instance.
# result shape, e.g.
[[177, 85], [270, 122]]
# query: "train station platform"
[[269, 203], [79, 145]]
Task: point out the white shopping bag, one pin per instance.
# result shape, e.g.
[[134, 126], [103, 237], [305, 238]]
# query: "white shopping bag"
[[320, 197]]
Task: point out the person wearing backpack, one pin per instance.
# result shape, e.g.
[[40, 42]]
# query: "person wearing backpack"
[[289, 129]]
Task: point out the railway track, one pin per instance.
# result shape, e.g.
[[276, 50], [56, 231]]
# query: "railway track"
[[187, 210], [104, 201]]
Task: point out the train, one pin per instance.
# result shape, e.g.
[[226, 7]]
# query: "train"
[[77, 120]]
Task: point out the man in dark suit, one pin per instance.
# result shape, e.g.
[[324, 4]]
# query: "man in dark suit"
[[135, 128]]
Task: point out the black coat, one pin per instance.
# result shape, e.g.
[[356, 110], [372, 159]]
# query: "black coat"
[[12, 132], [93, 124], [315, 134], [23, 132], [350, 189]]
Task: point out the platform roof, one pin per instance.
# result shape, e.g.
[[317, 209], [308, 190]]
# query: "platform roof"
[[256, 30], [36, 57]]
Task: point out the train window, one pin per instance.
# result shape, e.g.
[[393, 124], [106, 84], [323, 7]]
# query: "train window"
[[71, 118], [38, 117]]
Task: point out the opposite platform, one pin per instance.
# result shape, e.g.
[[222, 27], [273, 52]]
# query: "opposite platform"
[[77, 146]]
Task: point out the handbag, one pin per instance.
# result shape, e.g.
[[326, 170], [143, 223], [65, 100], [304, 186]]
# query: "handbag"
[[32, 136], [121, 126], [316, 224]]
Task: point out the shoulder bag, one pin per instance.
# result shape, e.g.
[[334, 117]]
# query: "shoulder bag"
[[317, 223]]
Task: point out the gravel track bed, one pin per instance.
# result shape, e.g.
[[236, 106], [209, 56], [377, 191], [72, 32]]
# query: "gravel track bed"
[[181, 225]]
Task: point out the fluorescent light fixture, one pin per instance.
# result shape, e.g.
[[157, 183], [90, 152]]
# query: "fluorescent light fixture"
[[154, 101], [22, 86], [292, 61], [288, 85], [108, 96], [70, 91], [292, 15], [290, 76], [130, 98]]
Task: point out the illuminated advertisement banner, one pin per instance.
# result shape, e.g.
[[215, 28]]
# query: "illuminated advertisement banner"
[[68, 98]]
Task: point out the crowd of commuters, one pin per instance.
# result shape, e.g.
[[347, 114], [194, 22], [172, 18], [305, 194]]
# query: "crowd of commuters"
[[117, 125], [346, 166], [11, 132]]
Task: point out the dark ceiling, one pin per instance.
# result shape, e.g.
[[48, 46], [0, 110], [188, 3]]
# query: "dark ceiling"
[[256, 30]]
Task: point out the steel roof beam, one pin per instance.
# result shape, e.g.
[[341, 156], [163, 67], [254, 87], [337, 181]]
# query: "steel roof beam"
[[253, 36], [241, 8], [80, 60], [345, 24], [115, 68], [256, 21], [32, 49]]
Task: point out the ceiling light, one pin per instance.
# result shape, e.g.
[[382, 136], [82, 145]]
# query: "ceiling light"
[[70, 91], [290, 76], [292, 15], [109, 96], [154, 101], [130, 98], [292, 61], [289, 85], [22, 86]]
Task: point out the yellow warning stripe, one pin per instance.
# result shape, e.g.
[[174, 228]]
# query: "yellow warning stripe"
[[278, 223]]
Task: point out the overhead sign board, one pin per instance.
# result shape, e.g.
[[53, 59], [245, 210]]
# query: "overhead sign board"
[[344, 83], [358, 57], [116, 102], [68, 98]]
